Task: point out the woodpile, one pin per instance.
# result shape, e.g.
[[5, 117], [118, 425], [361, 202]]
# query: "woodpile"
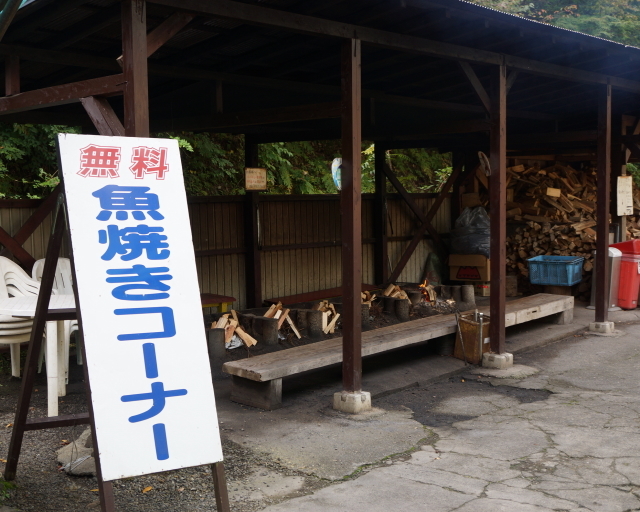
[[329, 316], [231, 324], [368, 297], [558, 207], [633, 223], [276, 311], [393, 290], [428, 292]]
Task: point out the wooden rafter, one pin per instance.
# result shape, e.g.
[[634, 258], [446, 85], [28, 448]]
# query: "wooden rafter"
[[257, 15]]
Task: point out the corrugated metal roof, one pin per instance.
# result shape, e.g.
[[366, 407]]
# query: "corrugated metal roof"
[[255, 59]]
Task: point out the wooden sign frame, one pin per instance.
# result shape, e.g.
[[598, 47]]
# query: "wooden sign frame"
[[21, 424]]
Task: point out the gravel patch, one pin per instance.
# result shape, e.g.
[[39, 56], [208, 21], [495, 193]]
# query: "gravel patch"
[[254, 480]]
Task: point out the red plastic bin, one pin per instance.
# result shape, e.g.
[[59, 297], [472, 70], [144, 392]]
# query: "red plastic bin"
[[629, 274], [630, 247], [629, 281]]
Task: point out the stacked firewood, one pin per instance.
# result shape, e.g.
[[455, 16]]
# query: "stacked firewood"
[[558, 207], [276, 311], [393, 290], [329, 316], [633, 223], [231, 324], [367, 297]]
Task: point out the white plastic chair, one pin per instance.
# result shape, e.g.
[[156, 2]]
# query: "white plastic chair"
[[63, 285], [15, 282]]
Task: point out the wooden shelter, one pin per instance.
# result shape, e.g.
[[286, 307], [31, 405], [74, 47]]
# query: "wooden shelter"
[[415, 73]]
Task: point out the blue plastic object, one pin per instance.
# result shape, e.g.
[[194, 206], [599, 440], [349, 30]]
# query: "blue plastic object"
[[555, 270]]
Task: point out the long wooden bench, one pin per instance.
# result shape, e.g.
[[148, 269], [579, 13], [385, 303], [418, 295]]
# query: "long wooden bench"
[[257, 381]]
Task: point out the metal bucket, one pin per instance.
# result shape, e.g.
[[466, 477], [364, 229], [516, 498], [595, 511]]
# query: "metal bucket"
[[472, 338]]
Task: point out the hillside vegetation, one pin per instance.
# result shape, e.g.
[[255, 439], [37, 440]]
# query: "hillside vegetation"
[[616, 20]]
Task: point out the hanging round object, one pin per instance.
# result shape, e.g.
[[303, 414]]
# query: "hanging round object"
[[336, 168]]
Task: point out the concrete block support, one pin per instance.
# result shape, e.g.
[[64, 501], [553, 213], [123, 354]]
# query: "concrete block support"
[[564, 318], [352, 403], [215, 344], [602, 327], [264, 395], [497, 361]]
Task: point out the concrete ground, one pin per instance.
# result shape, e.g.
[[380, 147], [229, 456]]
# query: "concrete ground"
[[559, 435]]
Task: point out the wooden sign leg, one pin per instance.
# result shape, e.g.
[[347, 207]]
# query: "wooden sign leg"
[[220, 487], [35, 342]]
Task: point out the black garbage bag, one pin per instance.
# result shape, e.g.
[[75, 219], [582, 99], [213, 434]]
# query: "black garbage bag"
[[472, 232]]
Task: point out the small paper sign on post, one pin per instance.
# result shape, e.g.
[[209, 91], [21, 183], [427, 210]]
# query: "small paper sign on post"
[[255, 179], [151, 388], [625, 195]]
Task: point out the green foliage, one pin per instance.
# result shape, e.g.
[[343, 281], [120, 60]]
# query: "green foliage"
[[606, 27], [5, 487], [28, 161], [616, 20], [300, 167], [420, 170], [214, 164], [634, 170]]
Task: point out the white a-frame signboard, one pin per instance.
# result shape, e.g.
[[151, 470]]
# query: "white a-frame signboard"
[[151, 387]]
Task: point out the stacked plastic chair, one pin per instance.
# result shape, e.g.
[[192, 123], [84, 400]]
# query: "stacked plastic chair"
[[62, 285], [15, 282]]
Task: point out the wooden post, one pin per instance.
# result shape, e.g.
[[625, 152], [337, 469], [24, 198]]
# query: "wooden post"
[[253, 265], [351, 207], [11, 75], [618, 168], [457, 161], [603, 198], [134, 56], [381, 258], [498, 200]]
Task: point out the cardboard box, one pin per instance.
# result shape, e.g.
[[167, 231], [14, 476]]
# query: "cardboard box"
[[468, 267], [482, 289]]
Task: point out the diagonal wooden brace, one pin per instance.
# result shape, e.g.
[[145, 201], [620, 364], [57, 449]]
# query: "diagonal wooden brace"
[[14, 244], [425, 221], [457, 176], [102, 115], [630, 142], [16, 249]]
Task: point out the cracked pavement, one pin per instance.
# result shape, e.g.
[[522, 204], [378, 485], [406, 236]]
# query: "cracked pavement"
[[562, 439]]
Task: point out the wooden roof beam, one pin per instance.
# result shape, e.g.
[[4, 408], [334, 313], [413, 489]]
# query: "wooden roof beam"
[[62, 94], [262, 16], [328, 110], [84, 60]]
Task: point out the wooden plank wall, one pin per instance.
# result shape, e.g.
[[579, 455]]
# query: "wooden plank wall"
[[217, 226], [299, 239], [12, 218]]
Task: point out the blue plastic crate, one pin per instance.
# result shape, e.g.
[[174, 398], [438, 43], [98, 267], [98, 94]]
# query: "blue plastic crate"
[[556, 270]]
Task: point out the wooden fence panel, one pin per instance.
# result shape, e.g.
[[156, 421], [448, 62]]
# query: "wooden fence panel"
[[299, 237], [11, 219]]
